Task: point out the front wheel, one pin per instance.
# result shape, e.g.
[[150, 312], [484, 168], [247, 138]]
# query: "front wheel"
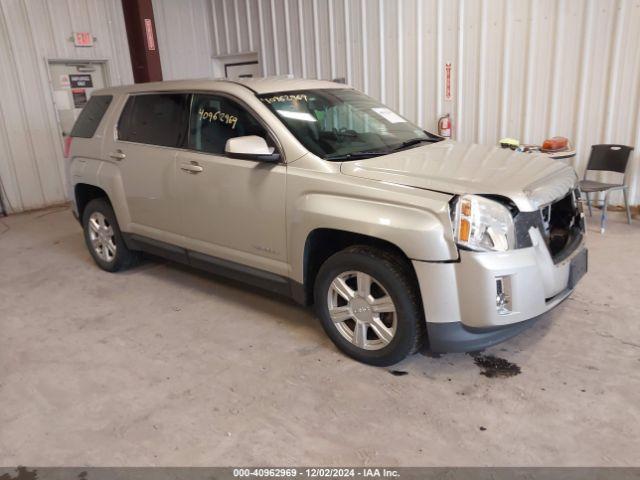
[[369, 305]]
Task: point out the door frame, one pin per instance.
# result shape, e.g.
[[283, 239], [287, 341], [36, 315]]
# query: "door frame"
[[46, 62], [220, 62], [49, 60], [237, 64]]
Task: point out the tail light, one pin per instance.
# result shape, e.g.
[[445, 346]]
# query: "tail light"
[[67, 146]]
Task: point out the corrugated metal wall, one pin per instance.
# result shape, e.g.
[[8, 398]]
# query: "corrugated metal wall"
[[522, 68], [184, 38], [527, 69], [31, 33]]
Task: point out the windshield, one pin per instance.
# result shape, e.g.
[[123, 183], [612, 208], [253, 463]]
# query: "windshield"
[[343, 124]]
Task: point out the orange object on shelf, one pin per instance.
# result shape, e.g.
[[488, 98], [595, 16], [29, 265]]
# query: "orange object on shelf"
[[555, 144]]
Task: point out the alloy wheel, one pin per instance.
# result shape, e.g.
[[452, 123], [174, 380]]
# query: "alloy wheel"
[[362, 310], [102, 237]]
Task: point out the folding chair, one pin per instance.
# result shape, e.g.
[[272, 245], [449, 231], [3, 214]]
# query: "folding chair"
[[607, 158]]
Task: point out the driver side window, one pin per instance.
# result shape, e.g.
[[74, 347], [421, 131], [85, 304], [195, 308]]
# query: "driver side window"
[[215, 119]]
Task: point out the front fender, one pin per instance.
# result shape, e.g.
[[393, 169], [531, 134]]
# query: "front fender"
[[421, 234]]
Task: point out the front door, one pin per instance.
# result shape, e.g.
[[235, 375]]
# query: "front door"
[[232, 209], [150, 130]]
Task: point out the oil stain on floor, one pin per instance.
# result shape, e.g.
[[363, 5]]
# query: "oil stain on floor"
[[495, 367]]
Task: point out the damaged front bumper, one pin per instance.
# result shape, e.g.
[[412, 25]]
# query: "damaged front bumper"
[[488, 297]]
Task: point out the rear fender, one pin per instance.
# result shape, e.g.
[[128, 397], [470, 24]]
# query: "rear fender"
[[110, 180], [105, 175]]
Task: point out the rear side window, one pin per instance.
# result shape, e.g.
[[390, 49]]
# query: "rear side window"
[[89, 119], [155, 119]]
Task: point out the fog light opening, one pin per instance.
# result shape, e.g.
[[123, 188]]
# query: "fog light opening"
[[503, 295]]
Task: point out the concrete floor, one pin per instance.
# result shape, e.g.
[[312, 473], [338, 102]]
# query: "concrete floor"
[[163, 365]]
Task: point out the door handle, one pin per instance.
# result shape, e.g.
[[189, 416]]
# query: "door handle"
[[192, 167], [118, 155]]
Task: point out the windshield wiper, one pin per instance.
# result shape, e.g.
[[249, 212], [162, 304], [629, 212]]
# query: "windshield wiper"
[[354, 155], [414, 141], [406, 144]]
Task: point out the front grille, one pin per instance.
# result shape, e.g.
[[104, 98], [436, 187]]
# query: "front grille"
[[561, 224]]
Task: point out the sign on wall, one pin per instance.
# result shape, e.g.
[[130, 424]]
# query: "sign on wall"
[[448, 96], [79, 97], [81, 80], [148, 28], [82, 39]]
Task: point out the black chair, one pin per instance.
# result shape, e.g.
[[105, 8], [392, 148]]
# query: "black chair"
[[607, 158]]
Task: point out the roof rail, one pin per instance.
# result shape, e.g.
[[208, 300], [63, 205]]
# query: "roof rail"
[[241, 84]]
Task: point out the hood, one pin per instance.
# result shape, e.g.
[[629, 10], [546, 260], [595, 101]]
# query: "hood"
[[530, 180]]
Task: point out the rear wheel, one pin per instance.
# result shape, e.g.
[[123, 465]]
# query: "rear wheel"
[[368, 304], [104, 239]]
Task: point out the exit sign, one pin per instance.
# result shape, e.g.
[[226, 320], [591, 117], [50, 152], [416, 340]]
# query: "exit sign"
[[82, 39]]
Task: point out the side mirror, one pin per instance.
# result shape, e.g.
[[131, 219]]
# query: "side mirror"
[[251, 147]]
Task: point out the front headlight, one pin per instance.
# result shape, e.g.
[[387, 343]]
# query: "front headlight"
[[482, 224]]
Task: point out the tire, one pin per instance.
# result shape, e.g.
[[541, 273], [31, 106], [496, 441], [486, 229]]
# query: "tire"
[[101, 228], [343, 276]]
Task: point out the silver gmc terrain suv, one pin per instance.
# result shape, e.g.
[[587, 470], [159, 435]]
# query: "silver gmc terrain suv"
[[314, 190]]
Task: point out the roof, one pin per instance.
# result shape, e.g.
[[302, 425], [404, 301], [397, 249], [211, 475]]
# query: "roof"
[[285, 84], [259, 85]]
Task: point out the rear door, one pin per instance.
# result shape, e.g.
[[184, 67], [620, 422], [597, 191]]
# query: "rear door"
[[233, 209], [151, 127]]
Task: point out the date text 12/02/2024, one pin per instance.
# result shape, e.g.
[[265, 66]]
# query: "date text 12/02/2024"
[[316, 472]]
